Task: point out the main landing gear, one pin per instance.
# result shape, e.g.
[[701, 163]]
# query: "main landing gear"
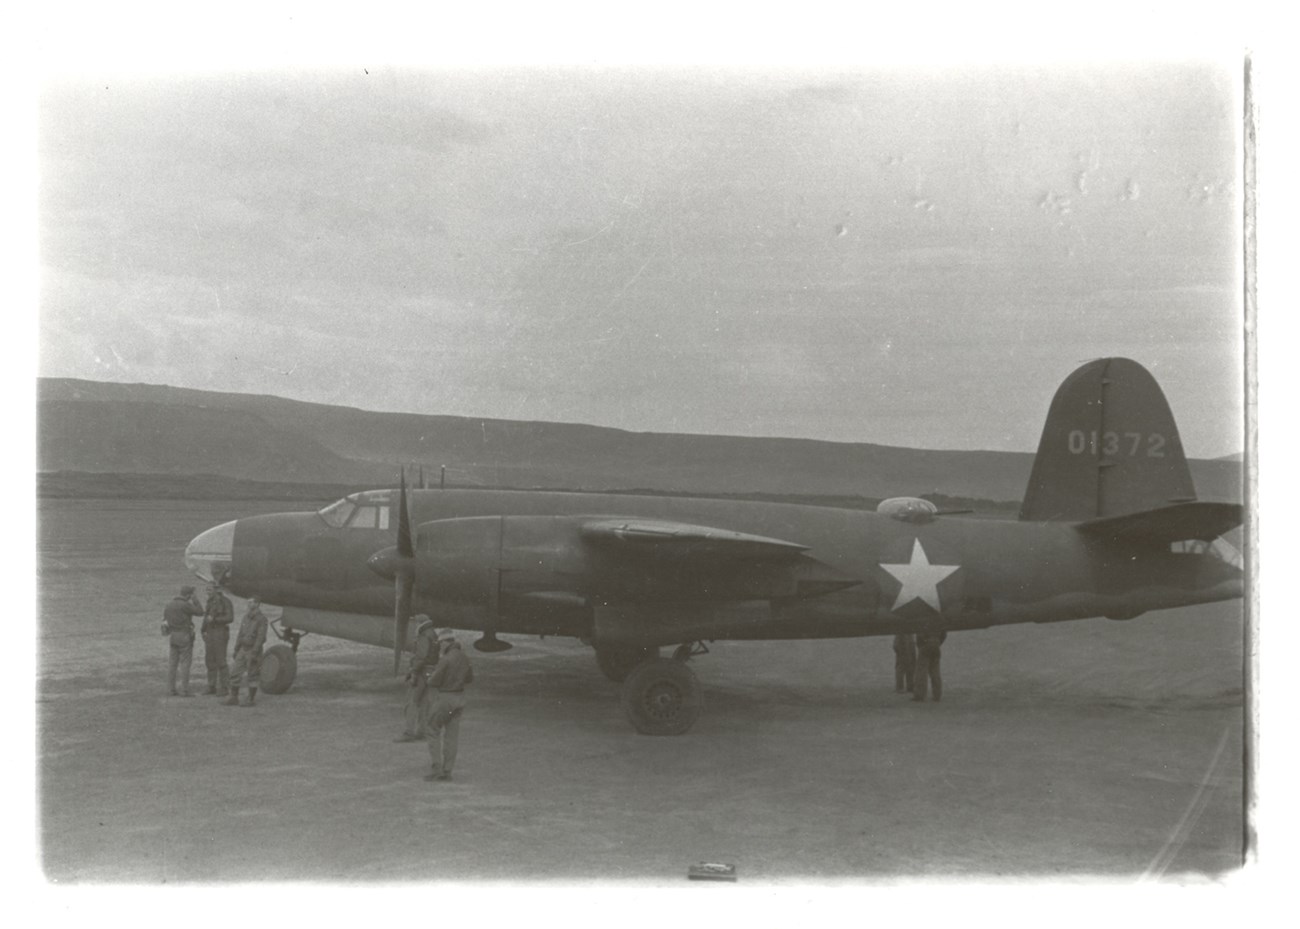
[[617, 661], [280, 662], [661, 696]]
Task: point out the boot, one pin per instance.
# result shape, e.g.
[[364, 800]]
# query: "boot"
[[252, 696], [233, 699], [212, 683]]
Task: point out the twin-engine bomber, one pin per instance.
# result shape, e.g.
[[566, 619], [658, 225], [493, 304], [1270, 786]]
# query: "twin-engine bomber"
[[1110, 526]]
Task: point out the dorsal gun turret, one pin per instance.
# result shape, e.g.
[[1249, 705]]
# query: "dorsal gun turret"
[[908, 509]]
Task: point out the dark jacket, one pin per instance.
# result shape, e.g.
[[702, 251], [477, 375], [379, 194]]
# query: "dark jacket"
[[252, 631], [426, 652], [453, 671], [905, 646], [927, 643], [218, 615], [177, 618]]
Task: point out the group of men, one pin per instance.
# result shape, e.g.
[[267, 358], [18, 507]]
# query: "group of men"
[[916, 664], [435, 698], [218, 615], [439, 669]]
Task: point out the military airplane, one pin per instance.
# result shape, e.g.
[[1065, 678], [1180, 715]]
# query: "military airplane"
[[1110, 526]]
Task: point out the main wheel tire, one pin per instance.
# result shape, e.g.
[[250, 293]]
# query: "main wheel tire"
[[662, 697], [279, 666], [617, 662]]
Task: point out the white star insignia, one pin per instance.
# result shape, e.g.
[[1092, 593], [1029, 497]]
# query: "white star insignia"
[[919, 578]]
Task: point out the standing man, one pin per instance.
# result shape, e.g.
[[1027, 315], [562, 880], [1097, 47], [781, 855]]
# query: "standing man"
[[444, 701], [178, 626], [927, 664], [904, 662], [248, 653], [217, 617], [426, 654]]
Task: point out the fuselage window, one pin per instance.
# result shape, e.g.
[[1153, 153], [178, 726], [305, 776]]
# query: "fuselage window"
[[337, 513]]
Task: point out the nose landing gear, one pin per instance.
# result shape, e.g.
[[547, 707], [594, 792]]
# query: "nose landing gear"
[[280, 662]]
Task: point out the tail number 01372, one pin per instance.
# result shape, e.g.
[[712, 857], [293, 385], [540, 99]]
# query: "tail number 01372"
[[1116, 444]]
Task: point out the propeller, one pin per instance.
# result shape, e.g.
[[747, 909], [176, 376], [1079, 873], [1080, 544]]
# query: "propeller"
[[403, 567], [397, 563]]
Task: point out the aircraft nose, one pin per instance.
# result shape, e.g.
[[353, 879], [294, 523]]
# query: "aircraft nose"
[[209, 553]]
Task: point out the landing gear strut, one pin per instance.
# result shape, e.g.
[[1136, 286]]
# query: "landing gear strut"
[[617, 661], [688, 650]]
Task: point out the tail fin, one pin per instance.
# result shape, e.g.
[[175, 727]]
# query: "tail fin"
[[1109, 447]]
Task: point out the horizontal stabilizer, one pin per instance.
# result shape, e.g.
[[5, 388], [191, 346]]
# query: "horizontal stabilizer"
[[1176, 523], [665, 537]]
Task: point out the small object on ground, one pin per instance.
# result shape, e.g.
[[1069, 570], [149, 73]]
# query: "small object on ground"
[[711, 871]]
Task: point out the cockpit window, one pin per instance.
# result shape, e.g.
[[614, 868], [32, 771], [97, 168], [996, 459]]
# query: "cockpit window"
[[371, 510], [337, 513], [370, 517]]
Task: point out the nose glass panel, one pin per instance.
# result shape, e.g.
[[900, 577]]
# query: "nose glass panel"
[[209, 553]]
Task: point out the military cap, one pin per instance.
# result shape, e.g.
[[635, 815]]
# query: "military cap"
[[446, 635], [187, 590], [422, 623]]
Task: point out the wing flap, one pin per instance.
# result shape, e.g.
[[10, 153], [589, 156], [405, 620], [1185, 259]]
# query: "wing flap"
[[1176, 523], [682, 539]]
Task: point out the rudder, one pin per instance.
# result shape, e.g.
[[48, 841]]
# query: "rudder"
[[1109, 447]]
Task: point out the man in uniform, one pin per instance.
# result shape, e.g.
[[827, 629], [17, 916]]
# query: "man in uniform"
[[444, 701], [248, 653], [426, 654], [178, 626], [927, 664], [904, 662], [217, 617]]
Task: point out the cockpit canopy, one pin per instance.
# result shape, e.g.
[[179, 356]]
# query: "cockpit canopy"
[[369, 509]]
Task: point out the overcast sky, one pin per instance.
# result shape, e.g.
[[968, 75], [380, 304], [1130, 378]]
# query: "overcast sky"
[[907, 256]]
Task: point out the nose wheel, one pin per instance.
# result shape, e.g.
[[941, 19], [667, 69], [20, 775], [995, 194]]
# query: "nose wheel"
[[279, 667], [280, 662]]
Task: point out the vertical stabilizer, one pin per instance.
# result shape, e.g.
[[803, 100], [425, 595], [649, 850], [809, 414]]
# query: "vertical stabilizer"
[[1109, 447]]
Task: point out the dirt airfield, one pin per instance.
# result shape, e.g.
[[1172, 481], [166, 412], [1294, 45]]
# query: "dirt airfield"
[[1085, 749]]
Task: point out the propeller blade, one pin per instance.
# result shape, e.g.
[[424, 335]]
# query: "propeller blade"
[[405, 544], [404, 583], [404, 577]]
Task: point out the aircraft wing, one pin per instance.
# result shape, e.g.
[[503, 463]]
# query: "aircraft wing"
[[1176, 523], [663, 537]]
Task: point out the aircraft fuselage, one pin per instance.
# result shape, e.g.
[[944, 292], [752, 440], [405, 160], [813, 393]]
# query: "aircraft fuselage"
[[517, 561]]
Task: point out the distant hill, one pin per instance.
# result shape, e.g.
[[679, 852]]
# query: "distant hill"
[[89, 426]]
